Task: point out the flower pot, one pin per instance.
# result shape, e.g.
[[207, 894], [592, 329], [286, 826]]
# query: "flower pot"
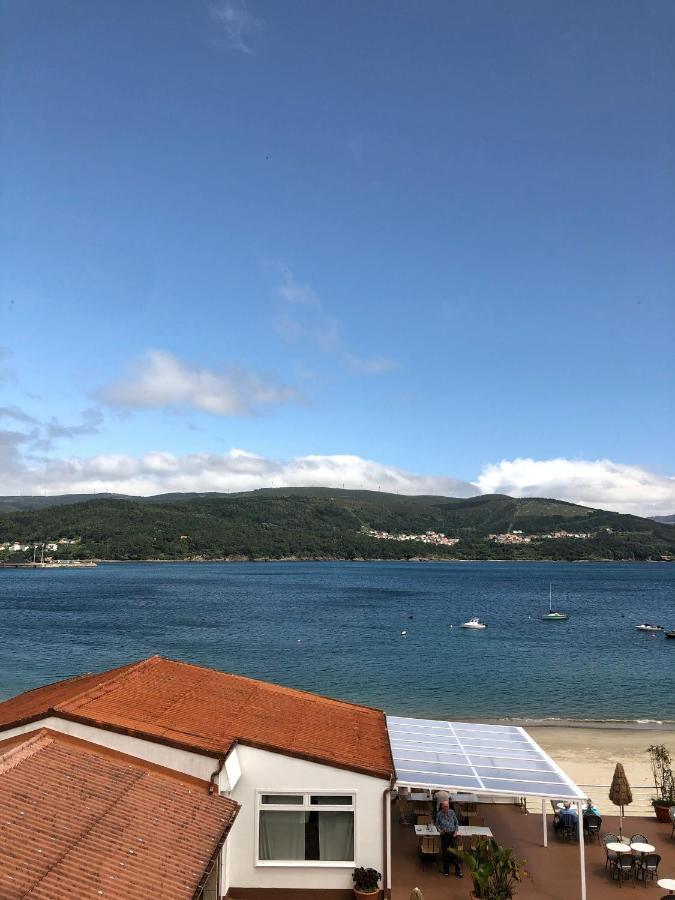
[[367, 895], [662, 812]]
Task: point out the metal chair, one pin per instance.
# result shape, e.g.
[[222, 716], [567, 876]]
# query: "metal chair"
[[623, 867], [569, 825], [649, 867], [610, 855], [639, 839], [592, 826]]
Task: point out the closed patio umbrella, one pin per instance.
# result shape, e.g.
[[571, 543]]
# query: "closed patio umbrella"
[[620, 793]]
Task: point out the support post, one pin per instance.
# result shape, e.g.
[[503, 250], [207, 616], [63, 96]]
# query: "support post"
[[582, 849], [543, 818]]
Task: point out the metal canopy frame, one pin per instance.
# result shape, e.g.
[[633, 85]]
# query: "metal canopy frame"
[[487, 760]]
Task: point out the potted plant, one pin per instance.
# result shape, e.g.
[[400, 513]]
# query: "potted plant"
[[494, 870], [366, 883], [664, 780]]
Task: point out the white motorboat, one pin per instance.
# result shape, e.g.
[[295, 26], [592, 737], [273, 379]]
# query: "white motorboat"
[[647, 627], [474, 623]]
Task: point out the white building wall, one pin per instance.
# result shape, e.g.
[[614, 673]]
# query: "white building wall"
[[274, 773], [180, 760]]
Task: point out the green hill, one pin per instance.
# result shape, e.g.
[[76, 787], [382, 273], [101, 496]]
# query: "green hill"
[[329, 523]]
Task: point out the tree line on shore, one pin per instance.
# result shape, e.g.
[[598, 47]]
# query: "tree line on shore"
[[322, 523]]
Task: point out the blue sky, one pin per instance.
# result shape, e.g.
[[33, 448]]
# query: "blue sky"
[[430, 240]]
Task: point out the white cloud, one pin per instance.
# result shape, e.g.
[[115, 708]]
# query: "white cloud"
[[238, 470], [162, 381], [306, 318], [599, 483], [373, 365], [26, 469], [236, 23]]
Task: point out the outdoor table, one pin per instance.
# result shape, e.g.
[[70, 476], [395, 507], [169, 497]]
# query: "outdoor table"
[[642, 848], [464, 798], [474, 831], [668, 884], [426, 831], [619, 848]]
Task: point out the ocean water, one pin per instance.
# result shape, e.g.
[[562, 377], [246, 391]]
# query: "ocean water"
[[335, 628]]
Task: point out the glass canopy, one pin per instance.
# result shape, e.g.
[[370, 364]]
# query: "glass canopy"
[[479, 759]]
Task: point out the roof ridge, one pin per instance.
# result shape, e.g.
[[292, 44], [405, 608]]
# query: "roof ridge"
[[25, 749], [312, 695], [74, 702]]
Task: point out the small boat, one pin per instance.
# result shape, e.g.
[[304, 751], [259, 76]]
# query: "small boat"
[[552, 615], [670, 634], [647, 627], [474, 623]]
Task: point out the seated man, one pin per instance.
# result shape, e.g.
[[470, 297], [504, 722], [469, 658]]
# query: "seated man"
[[591, 810], [567, 808], [447, 824]]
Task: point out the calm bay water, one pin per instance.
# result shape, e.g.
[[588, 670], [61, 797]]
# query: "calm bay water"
[[336, 628]]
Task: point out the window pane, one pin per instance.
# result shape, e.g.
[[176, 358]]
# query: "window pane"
[[336, 836], [282, 799], [282, 835], [331, 800]]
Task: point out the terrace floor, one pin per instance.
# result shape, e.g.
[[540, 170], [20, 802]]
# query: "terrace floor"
[[553, 871]]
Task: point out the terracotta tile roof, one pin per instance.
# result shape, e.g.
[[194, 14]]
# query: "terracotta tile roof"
[[78, 821], [209, 711]]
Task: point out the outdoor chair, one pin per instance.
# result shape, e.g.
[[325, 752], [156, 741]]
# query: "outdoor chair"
[[569, 826], [610, 855], [406, 816], [649, 867], [623, 867], [638, 839], [592, 826], [429, 846]]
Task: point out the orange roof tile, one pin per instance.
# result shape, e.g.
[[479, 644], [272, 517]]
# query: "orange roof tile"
[[79, 821], [209, 711]]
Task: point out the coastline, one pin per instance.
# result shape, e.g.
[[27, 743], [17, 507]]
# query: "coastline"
[[588, 754], [361, 559]]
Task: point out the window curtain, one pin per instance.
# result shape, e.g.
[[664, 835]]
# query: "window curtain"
[[282, 834], [336, 836]]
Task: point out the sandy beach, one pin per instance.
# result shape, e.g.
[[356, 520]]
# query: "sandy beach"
[[588, 754]]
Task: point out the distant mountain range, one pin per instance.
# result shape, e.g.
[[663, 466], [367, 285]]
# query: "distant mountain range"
[[327, 523], [665, 520]]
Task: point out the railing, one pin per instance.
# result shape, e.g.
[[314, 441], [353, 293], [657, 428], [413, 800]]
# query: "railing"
[[641, 805]]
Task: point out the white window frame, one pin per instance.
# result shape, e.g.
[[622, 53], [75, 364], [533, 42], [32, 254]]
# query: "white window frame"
[[306, 806]]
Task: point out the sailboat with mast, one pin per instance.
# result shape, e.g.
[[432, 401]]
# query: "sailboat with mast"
[[553, 615]]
